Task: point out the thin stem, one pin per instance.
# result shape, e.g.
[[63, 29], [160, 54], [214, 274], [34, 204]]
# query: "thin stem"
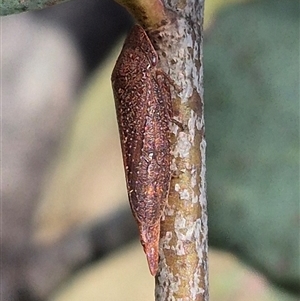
[[183, 273]]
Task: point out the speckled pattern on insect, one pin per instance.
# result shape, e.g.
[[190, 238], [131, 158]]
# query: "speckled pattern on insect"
[[143, 106]]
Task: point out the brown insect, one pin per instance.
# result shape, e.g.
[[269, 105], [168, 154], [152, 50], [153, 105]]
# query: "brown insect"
[[143, 105]]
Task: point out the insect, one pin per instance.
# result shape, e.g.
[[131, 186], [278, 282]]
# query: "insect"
[[143, 106]]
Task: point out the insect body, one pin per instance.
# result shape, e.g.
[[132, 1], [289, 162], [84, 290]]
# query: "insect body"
[[143, 106]]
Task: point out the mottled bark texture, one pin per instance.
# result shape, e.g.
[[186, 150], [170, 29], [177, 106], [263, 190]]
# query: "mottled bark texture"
[[177, 38]]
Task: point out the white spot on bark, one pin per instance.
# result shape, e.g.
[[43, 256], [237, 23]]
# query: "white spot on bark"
[[199, 123], [179, 248], [184, 194], [173, 166], [169, 211], [195, 198], [183, 146], [194, 177], [174, 128], [202, 173], [191, 126], [166, 241], [184, 229]]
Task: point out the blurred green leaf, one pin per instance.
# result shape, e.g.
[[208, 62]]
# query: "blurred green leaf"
[[252, 128]]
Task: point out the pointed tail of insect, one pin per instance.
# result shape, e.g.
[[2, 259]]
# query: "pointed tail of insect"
[[149, 235]]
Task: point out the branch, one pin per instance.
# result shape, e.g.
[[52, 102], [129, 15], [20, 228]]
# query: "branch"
[[177, 38], [10, 7], [183, 257]]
